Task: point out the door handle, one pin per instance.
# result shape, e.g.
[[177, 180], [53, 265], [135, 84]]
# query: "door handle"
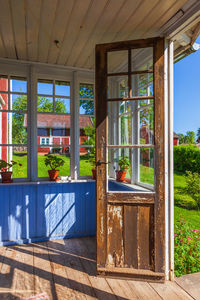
[[99, 162]]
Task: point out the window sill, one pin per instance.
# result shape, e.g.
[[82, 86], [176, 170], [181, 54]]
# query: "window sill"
[[47, 182]]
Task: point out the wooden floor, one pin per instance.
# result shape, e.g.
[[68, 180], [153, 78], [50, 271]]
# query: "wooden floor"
[[65, 269]]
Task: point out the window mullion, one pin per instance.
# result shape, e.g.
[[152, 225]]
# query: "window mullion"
[[32, 126], [74, 149]]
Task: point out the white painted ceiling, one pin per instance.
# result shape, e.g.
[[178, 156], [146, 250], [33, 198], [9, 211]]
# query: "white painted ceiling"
[[65, 32]]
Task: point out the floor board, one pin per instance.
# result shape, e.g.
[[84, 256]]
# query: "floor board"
[[66, 269]]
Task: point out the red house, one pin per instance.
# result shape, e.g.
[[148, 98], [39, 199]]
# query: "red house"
[[176, 139], [55, 130]]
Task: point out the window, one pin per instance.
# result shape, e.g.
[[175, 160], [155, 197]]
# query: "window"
[[87, 129], [53, 122], [131, 121], [13, 122], [44, 141]]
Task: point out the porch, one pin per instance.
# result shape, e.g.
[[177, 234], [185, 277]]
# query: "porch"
[[66, 269]]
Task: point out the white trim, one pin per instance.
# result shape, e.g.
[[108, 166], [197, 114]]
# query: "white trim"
[[32, 125], [74, 150], [171, 157], [166, 126], [39, 64]]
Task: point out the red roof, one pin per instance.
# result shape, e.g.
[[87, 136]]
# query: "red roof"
[[58, 121]]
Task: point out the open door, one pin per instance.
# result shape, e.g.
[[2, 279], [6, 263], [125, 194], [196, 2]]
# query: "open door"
[[130, 131]]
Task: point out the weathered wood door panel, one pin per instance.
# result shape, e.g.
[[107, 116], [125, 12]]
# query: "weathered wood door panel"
[[130, 126]]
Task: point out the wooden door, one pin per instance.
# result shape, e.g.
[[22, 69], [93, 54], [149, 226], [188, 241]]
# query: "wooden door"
[[130, 126]]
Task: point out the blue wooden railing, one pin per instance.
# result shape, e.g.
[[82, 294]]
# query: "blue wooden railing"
[[39, 212]]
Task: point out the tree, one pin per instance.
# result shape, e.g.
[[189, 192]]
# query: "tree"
[[87, 98], [90, 131], [198, 135], [181, 138], [190, 137]]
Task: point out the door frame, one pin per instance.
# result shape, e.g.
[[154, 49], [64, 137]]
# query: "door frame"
[[162, 129]]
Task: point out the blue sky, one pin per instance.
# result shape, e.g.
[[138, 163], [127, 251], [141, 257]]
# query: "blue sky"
[[187, 93]]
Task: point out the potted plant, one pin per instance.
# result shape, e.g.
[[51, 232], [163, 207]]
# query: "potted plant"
[[54, 162], [124, 164], [5, 173]]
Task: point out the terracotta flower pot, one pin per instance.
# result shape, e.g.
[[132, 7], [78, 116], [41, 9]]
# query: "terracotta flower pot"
[[6, 177], [120, 175], [53, 175], [94, 174]]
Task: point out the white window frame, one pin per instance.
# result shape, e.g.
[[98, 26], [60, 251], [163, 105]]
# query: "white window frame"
[[9, 110], [32, 72]]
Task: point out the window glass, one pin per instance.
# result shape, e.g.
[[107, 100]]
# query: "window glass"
[[18, 85], [60, 152], [14, 123], [87, 130], [62, 88], [53, 123], [45, 87]]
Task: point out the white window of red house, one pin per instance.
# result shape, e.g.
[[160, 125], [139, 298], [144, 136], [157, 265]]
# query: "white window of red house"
[[53, 123], [87, 128], [13, 116]]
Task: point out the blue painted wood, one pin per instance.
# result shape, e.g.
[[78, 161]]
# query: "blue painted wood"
[[39, 212]]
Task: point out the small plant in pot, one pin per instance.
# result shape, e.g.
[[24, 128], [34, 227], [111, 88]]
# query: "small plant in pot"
[[124, 164], [54, 162], [6, 175]]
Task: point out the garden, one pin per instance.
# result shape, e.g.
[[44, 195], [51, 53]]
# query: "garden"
[[187, 209]]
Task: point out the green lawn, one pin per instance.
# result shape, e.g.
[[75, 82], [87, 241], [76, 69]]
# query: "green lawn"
[[191, 216], [146, 175]]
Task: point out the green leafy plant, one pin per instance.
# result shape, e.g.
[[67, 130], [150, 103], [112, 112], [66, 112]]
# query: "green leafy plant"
[[186, 249], [124, 163], [193, 186], [54, 161], [5, 166], [186, 158]]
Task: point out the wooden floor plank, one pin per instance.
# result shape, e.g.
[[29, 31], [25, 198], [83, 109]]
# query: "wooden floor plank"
[[191, 284], [100, 285], [73, 285], [23, 277], [170, 290], [143, 290], [42, 271], [121, 288], [66, 269]]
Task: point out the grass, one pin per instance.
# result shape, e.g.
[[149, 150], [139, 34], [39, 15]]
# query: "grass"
[[146, 175], [191, 216]]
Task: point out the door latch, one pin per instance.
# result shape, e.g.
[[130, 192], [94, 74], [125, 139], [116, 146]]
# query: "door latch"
[[99, 162]]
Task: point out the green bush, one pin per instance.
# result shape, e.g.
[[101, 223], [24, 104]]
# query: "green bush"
[[193, 186], [186, 158], [185, 201], [186, 249]]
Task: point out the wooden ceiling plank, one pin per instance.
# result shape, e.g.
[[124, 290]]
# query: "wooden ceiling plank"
[[86, 29], [2, 47], [63, 13], [140, 13], [167, 10], [77, 16], [33, 8], [6, 29], [158, 17], [19, 28], [104, 23], [46, 27]]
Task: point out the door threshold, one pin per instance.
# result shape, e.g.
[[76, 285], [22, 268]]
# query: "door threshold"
[[131, 274]]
